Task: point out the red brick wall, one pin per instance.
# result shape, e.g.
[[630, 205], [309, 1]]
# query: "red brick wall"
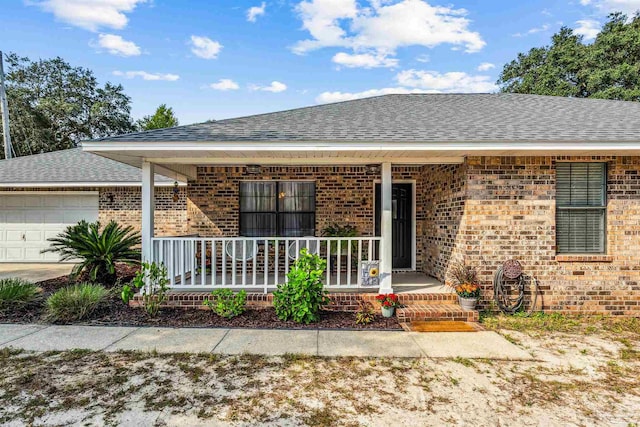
[[443, 194], [510, 213], [344, 195], [124, 205]]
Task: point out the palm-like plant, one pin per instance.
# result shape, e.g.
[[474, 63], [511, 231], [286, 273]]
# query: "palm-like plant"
[[97, 251]]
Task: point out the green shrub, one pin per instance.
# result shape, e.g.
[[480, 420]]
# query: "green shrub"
[[365, 314], [75, 302], [303, 296], [98, 251], [152, 280], [227, 304], [17, 293]]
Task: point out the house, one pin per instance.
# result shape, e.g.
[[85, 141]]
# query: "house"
[[42, 194], [425, 180]]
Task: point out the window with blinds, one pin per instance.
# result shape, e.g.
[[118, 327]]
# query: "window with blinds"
[[581, 206], [277, 208]]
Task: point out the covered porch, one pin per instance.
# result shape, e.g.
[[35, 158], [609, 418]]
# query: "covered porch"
[[384, 194]]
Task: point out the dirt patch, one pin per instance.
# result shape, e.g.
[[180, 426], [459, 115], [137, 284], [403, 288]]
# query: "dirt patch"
[[575, 380]]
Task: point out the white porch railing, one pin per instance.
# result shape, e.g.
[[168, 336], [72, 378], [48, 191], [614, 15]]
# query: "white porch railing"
[[258, 262]]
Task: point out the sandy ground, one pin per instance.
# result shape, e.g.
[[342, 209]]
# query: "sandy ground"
[[577, 378]]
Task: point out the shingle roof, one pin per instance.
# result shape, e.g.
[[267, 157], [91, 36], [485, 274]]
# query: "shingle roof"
[[423, 117], [69, 166]]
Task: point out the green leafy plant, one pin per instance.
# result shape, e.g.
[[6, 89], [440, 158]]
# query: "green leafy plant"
[[303, 296], [127, 293], [336, 230], [152, 280], [365, 313], [227, 304], [75, 302], [17, 293], [97, 251]]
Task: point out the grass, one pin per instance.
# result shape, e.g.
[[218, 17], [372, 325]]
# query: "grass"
[[17, 293], [75, 302], [556, 322]]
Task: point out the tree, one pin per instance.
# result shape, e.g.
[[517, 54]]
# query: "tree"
[[607, 68], [53, 105], [162, 118]]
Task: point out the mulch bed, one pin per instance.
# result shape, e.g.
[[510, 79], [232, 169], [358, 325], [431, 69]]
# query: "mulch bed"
[[116, 313]]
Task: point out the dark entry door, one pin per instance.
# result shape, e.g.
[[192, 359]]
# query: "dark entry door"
[[402, 214]]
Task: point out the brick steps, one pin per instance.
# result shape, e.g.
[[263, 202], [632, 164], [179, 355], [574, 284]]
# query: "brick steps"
[[426, 312]]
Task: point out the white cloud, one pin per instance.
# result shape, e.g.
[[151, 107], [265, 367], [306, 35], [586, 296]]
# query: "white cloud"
[[255, 11], [383, 27], [224, 84], [629, 7], [533, 30], [116, 45], [417, 81], [451, 82], [146, 76], [90, 14], [274, 87], [326, 97], [588, 28], [204, 47], [423, 58], [485, 66], [363, 60]]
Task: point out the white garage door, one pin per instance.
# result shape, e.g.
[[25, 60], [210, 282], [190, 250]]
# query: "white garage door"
[[27, 221]]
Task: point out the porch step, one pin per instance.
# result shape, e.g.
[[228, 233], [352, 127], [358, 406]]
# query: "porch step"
[[426, 312]]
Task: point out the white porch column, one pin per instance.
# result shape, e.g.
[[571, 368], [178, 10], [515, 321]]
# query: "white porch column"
[[148, 208], [386, 252]]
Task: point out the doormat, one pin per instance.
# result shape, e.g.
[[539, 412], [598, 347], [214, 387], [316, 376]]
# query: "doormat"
[[441, 326]]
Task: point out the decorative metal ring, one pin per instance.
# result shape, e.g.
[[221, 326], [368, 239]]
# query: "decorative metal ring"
[[511, 269]]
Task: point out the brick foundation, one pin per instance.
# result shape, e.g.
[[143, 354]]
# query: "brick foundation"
[[345, 301]]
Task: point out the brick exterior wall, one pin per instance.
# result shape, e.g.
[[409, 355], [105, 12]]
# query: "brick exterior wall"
[[124, 205], [510, 213], [344, 195]]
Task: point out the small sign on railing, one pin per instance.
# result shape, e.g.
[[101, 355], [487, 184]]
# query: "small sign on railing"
[[370, 273]]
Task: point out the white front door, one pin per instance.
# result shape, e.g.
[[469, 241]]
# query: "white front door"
[[28, 220]]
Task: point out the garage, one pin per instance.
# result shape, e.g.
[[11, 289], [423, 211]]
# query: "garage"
[[27, 220]]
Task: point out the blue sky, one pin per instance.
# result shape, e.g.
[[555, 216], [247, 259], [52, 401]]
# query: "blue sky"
[[226, 58]]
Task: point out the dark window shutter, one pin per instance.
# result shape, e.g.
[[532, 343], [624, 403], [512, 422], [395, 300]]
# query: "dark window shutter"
[[581, 197]]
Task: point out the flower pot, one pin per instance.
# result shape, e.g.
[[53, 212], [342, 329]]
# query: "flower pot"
[[467, 303], [388, 311]]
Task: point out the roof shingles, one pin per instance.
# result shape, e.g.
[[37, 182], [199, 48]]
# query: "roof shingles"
[[423, 118], [69, 166]]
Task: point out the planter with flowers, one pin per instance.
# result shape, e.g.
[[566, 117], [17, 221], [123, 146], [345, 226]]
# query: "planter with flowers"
[[388, 303], [464, 280]]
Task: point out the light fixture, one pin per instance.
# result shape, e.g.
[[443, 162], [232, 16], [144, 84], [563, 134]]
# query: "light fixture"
[[253, 169], [176, 191], [372, 169]]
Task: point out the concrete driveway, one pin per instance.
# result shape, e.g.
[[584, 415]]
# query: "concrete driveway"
[[34, 272]]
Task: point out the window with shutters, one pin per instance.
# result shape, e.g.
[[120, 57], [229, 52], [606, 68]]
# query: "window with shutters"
[[277, 208], [581, 208]]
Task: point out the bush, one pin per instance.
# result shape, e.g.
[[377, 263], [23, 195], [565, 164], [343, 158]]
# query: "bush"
[[227, 304], [98, 251], [365, 314], [303, 296], [152, 280], [17, 293], [75, 302]]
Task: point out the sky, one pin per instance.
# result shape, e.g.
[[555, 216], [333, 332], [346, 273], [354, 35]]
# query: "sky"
[[217, 59]]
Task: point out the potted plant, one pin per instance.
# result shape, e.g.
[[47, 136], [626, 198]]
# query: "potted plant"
[[388, 303], [465, 282]]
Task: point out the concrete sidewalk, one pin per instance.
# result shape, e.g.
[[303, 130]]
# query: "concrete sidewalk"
[[271, 342]]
